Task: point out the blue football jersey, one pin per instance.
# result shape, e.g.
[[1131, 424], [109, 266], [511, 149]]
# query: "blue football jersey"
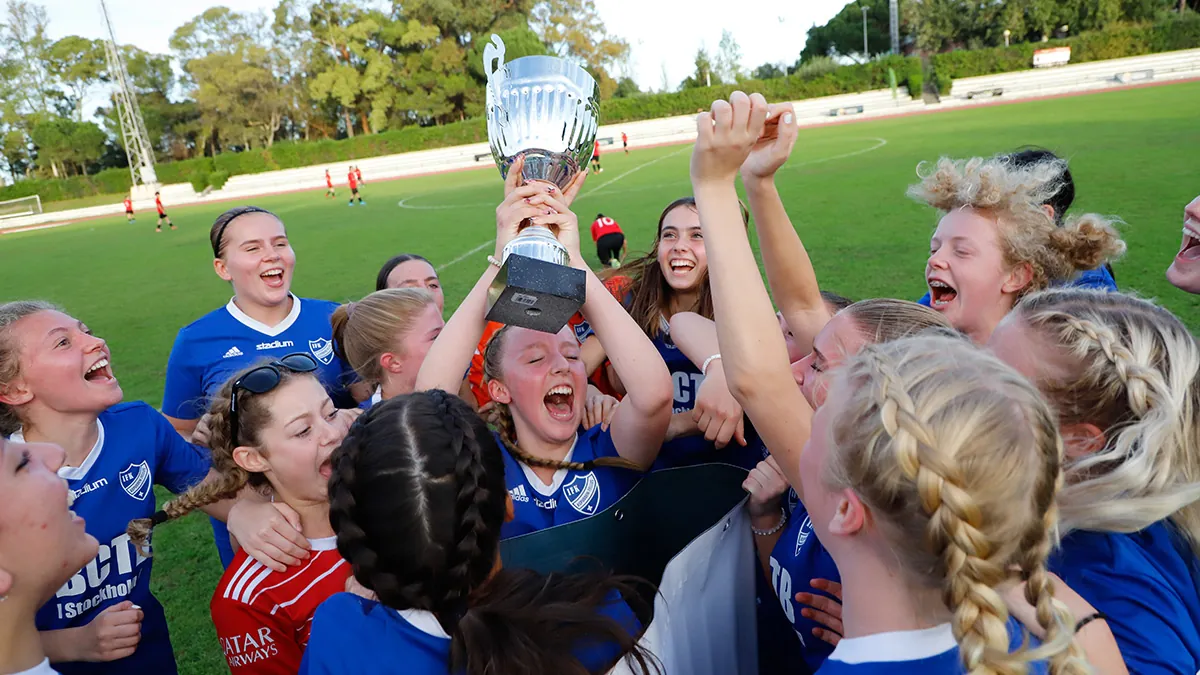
[[208, 351], [211, 349], [352, 635], [573, 494], [1146, 583], [797, 559], [136, 449], [932, 651]]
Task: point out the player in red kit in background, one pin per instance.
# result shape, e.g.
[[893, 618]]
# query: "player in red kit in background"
[[610, 241], [352, 179], [329, 191], [129, 208], [162, 215], [358, 175], [625, 142], [596, 158]]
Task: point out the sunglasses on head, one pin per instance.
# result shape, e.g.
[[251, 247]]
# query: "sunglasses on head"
[[264, 379]]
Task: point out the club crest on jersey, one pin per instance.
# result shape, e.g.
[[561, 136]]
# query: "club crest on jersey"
[[135, 480], [582, 330], [583, 493], [322, 349], [805, 530]]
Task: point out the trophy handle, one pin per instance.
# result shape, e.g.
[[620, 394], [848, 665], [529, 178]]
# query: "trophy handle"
[[493, 51]]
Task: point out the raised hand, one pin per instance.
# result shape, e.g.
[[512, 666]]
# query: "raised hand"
[[717, 413], [725, 137], [766, 486], [774, 146], [269, 532]]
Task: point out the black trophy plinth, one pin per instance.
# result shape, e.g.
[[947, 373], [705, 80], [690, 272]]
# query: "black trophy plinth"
[[536, 294]]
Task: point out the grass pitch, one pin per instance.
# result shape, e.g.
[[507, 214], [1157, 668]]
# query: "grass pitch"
[[1131, 151]]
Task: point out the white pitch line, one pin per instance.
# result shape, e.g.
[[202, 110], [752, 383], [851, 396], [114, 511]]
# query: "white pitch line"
[[880, 143], [466, 255]]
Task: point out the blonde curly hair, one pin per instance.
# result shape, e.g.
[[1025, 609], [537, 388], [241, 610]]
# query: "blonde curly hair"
[[928, 425], [1013, 195]]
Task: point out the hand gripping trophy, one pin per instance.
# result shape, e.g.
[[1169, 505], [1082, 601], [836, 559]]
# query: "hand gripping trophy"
[[546, 110]]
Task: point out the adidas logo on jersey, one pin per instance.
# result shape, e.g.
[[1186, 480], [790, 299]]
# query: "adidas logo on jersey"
[[518, 494], [278, 344], [233, 351]]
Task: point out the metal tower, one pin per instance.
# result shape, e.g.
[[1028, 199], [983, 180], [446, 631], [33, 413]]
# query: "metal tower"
[[133, 129], [894, 15]]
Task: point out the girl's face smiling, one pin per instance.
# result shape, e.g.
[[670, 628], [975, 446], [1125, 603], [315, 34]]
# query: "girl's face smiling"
[[681, 254], [257, 259], [417, 274]]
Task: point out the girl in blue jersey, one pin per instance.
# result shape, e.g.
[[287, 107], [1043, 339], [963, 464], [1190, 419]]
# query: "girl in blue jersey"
[[1124, 375], [42, 543], [791, 556], [384, 337], [57, 385], [673, 278], [556, 471], [263, 319], [899, 465], [417, 498]]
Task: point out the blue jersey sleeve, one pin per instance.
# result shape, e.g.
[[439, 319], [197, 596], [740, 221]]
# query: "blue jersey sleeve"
[[183, 397], [179, 464]]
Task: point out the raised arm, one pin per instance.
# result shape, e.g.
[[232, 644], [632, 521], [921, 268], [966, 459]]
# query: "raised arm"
[[789, 269], [640, 423], [754, 355]]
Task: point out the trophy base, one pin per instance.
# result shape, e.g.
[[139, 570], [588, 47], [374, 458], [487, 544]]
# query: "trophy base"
[[536, 294]]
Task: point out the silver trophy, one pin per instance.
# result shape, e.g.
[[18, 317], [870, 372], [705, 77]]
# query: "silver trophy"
[[546, 110]]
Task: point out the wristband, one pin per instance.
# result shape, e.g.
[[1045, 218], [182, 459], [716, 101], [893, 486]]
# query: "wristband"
[[707, 363], [783, 518], [1095, 616], [492, 261]]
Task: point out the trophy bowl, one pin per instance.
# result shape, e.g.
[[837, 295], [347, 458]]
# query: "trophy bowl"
[[543, 108]]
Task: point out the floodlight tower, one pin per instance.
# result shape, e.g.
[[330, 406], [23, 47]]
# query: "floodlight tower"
[[894, 16], [133, 129]]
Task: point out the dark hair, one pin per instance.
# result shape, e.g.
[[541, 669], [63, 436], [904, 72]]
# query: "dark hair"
[[393, 263], [649, 294], [216, 235], [1064, 196], [417, 498], [837, 302], [599, 216]]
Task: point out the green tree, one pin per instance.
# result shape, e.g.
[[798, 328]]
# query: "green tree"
[[626, 87], [729, 58], [67, 146], [843, 34], [704, 75], [573, 28], [78, 65], [767, 71]]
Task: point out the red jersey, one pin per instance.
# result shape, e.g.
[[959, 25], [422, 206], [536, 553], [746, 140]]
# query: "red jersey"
[[358, 173], [128, 204], [158, 204], [603, 226], [352, 180], [596, 149], [624, 138], [328, 180], [263, 618]]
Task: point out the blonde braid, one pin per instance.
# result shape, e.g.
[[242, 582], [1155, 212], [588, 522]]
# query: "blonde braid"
[[224, 485], [980, 614], [1059, 647], [501, 418]]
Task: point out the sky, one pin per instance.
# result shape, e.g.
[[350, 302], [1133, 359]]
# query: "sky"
[[662, 34]]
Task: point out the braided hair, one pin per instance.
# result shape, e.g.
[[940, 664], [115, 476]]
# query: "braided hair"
[[417, 498], [1132, 369], [501, 418], [928, 424], [254, 414]]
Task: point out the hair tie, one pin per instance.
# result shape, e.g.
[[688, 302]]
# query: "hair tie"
[[159, 518], [350, 310]]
